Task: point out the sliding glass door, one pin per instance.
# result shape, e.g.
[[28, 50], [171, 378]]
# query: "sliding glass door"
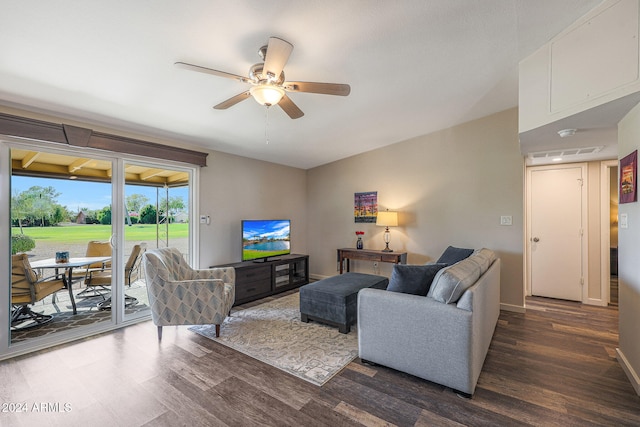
[[156, 211], [97, 214], [61, 243]]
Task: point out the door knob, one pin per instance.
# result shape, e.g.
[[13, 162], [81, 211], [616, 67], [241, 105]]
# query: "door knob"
[[536, 240]]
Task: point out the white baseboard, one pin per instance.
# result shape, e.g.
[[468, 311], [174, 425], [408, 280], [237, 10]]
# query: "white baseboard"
[[596, 302], [318, 276], [628, 369], [514, 308]]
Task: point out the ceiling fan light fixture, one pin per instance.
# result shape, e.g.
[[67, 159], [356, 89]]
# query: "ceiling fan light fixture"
[[266, 94]]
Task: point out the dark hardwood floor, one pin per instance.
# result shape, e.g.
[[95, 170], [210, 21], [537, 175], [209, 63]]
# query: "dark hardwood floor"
[[553, 366]]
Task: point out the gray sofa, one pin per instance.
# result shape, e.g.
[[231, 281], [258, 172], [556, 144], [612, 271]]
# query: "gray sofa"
[[442, 337]]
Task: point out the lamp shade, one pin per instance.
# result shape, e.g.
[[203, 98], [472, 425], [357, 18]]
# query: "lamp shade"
[[387, 219], [266, 94]]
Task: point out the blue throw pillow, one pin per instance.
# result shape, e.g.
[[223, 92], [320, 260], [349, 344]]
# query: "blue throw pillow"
[[451, 255], [413, 279]]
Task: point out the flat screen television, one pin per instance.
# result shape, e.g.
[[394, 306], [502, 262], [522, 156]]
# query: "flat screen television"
[[265, 238]]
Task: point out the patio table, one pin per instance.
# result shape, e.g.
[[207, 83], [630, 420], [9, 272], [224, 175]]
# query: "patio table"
[[69, 266]]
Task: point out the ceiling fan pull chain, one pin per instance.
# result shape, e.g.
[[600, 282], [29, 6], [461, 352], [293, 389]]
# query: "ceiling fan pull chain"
[[266, 125]]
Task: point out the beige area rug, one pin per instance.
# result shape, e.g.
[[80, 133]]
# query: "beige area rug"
[[273, 333]]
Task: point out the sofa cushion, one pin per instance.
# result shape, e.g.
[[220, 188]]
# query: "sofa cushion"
[[413, 279], [451, 282], [484, 257], [451, 255]]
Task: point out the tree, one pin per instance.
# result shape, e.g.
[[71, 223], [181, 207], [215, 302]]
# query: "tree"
[[59, 214], [135, 202], [19, 209], [104, 215], [148, 215], [43, 201], [36, 203], [176, 204]]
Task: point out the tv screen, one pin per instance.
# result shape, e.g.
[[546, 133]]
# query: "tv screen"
[[265, 238]]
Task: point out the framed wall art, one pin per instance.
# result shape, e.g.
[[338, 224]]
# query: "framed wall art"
[[628, 178], [365, 206]]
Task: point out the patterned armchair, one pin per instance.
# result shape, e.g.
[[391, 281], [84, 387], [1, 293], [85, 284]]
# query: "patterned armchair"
[[180, 295]]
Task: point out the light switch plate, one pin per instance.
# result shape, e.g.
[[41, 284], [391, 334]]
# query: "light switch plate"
[[203, 219], [624, 220], [506, 220]]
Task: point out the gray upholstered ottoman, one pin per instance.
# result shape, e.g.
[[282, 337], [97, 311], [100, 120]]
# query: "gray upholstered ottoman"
[[334, 300]]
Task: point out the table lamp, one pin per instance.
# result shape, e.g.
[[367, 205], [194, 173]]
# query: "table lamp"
[[387, 219]]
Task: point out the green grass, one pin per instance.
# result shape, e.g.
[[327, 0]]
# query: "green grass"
[[84, 233], [250, 254]]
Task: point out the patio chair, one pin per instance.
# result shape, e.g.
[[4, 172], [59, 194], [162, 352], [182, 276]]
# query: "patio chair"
[[102, 278], [95, 248], [180, 295], [27, 289]]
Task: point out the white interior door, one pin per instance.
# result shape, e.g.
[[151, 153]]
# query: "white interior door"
[[556, 231]]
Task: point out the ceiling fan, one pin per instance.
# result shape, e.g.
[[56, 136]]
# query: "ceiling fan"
[[268, 85]]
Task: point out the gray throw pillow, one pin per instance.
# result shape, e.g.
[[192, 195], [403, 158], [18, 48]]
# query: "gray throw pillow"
[[484, 257], [451, 282], [451, 255], [413, 279]]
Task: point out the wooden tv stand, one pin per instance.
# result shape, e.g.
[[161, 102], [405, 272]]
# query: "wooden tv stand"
[[255, 280], [369, 255]]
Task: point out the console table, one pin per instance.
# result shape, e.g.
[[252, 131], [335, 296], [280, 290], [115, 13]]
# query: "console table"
[[369, 255]]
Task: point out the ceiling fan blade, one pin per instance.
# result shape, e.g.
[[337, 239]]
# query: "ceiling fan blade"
[[323, 88], [278, 52], [233, 101], [290, 108], [206, 70]]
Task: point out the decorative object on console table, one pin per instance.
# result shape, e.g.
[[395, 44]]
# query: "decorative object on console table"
[[628, 177], [368, 255], [387, 219], [359, 243]]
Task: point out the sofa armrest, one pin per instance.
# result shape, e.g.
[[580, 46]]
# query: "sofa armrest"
[[417, 335]]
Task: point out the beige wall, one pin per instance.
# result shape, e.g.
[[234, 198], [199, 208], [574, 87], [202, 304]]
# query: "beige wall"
[[450, 187], [628, 255], [233, 188]]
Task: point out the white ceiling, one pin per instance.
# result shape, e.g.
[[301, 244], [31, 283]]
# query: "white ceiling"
[[414, 67]]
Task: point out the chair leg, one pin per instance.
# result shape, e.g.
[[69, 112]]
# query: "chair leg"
[[22, 317], [217, 331], [159, 333]]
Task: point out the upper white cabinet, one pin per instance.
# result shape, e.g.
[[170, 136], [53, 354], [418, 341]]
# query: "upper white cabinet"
[[594, 61]]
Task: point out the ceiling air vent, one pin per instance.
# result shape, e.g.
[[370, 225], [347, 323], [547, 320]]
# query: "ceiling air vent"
[[573, 152]]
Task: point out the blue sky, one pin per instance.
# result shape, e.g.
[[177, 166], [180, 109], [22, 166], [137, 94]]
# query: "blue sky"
[[276, 229], [90, 195]]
